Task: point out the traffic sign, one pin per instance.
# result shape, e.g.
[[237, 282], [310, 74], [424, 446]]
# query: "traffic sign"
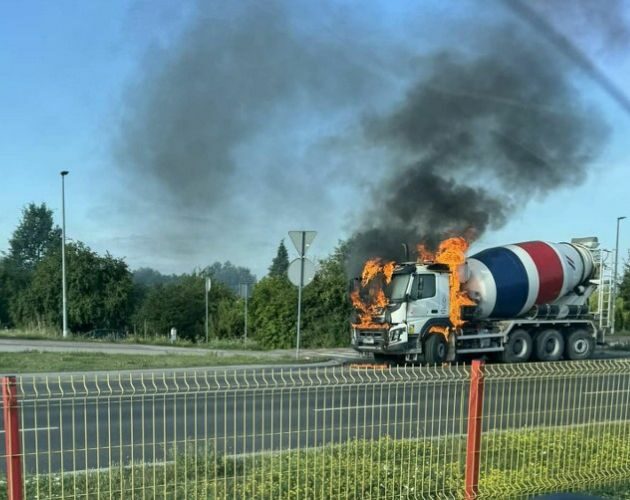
[[295, 269], [300, 238]]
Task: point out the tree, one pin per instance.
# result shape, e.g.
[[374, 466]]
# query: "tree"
[[624, 285], [5, 295], [619, 315], [280, 264], [326, 305], [230, 275], [148, 277], [34, 238], [181, 304], [99, 291], [273, 312]]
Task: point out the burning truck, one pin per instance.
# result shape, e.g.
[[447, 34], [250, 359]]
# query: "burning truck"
[[516, 302]]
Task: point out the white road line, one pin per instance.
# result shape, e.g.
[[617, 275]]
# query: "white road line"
[[365, 406], [32, 429], [625, 391]]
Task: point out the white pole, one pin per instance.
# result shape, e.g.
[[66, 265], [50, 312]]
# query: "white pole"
[[64, 297], [299, 315], [614, 283], [246, 298], [207, 322]]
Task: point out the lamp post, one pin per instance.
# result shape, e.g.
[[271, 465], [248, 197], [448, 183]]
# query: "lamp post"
[[63, 254], [614, 283]]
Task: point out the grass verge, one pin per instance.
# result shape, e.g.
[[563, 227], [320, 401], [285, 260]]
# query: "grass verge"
[[34, 362], [514, 465], [51, 334]]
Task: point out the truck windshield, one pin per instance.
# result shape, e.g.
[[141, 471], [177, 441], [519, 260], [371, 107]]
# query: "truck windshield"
[[398, 287]]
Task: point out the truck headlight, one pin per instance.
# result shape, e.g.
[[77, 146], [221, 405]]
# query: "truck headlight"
[[394, 335]]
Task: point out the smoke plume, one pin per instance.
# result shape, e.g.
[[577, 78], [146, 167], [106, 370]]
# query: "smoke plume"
[[482, 135], [259, 117], [225, 82]]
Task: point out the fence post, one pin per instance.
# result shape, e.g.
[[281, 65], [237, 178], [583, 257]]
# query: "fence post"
[[473, 443], [12, 438]]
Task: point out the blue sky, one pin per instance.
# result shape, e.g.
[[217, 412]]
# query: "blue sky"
[[69, 69]]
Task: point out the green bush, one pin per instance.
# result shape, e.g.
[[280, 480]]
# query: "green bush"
[[181, 304], [513, 465]]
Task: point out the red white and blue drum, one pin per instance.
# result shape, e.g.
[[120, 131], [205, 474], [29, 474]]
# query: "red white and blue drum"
[[508, 281]]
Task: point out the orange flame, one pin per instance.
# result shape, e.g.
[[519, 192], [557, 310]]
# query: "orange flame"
[[377, 300], [452, 252], [424, 254]]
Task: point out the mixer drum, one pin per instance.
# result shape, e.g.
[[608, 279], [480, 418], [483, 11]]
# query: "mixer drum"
[[508, 281]]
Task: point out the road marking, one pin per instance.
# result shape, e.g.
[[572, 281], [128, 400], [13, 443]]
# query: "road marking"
[[32, 429], [625, 391], [365, 406]]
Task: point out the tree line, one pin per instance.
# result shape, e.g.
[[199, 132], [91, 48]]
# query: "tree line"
[[104, 294]]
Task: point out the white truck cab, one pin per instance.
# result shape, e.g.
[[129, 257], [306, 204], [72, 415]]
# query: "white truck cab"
[[418, 298]]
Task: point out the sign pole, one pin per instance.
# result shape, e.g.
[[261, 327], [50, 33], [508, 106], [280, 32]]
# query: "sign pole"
[[246, 298], [208, 285], [301, 271], [206, 314], [299, 316]]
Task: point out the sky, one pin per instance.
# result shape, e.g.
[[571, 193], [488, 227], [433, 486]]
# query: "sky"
[[203, 132]]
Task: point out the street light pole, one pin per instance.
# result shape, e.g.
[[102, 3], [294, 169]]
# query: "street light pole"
[[614, 283], [64, 297]]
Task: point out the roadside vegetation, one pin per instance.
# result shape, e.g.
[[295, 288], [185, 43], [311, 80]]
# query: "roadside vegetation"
[[37, 362], [516, 464], [107, 300], [54, 335]]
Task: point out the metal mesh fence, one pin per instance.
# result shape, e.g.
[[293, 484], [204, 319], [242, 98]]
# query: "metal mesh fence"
[[291, 433], [334, 432], [555, 427]]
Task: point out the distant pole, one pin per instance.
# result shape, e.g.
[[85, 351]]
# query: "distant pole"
[[64, 297], [299, 315], [614, 283], [208, 286], [246, 298]]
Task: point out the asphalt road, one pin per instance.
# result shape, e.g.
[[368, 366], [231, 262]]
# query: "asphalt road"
[[68, 426], [24, 345]]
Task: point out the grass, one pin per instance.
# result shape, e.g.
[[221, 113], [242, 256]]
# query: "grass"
[[514, 465], [52, 334], [34, 362]]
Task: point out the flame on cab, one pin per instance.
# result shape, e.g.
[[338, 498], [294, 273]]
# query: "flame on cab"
[[375, 275], [452, 252]]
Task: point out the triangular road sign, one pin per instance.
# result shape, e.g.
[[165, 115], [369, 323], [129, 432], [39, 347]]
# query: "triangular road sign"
[[296, 238]]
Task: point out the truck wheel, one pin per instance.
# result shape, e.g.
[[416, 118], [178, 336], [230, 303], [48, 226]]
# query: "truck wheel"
[[391, 359], [518, 348], [579, 345], [435, 349], [549, 345]]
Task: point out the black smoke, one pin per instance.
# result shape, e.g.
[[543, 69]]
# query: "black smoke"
[[468, 133], [480, 136], [222, 83]]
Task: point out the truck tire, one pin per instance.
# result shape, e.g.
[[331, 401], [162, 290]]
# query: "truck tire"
[[579, 345], [435, 349], [549, 345], [391, 359], [518, 348]]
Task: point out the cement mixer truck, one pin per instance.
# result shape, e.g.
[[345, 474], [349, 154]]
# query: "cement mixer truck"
[[527, 301]]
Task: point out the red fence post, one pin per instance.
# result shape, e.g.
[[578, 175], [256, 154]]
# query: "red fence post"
[[473, 443], [12, 438]]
